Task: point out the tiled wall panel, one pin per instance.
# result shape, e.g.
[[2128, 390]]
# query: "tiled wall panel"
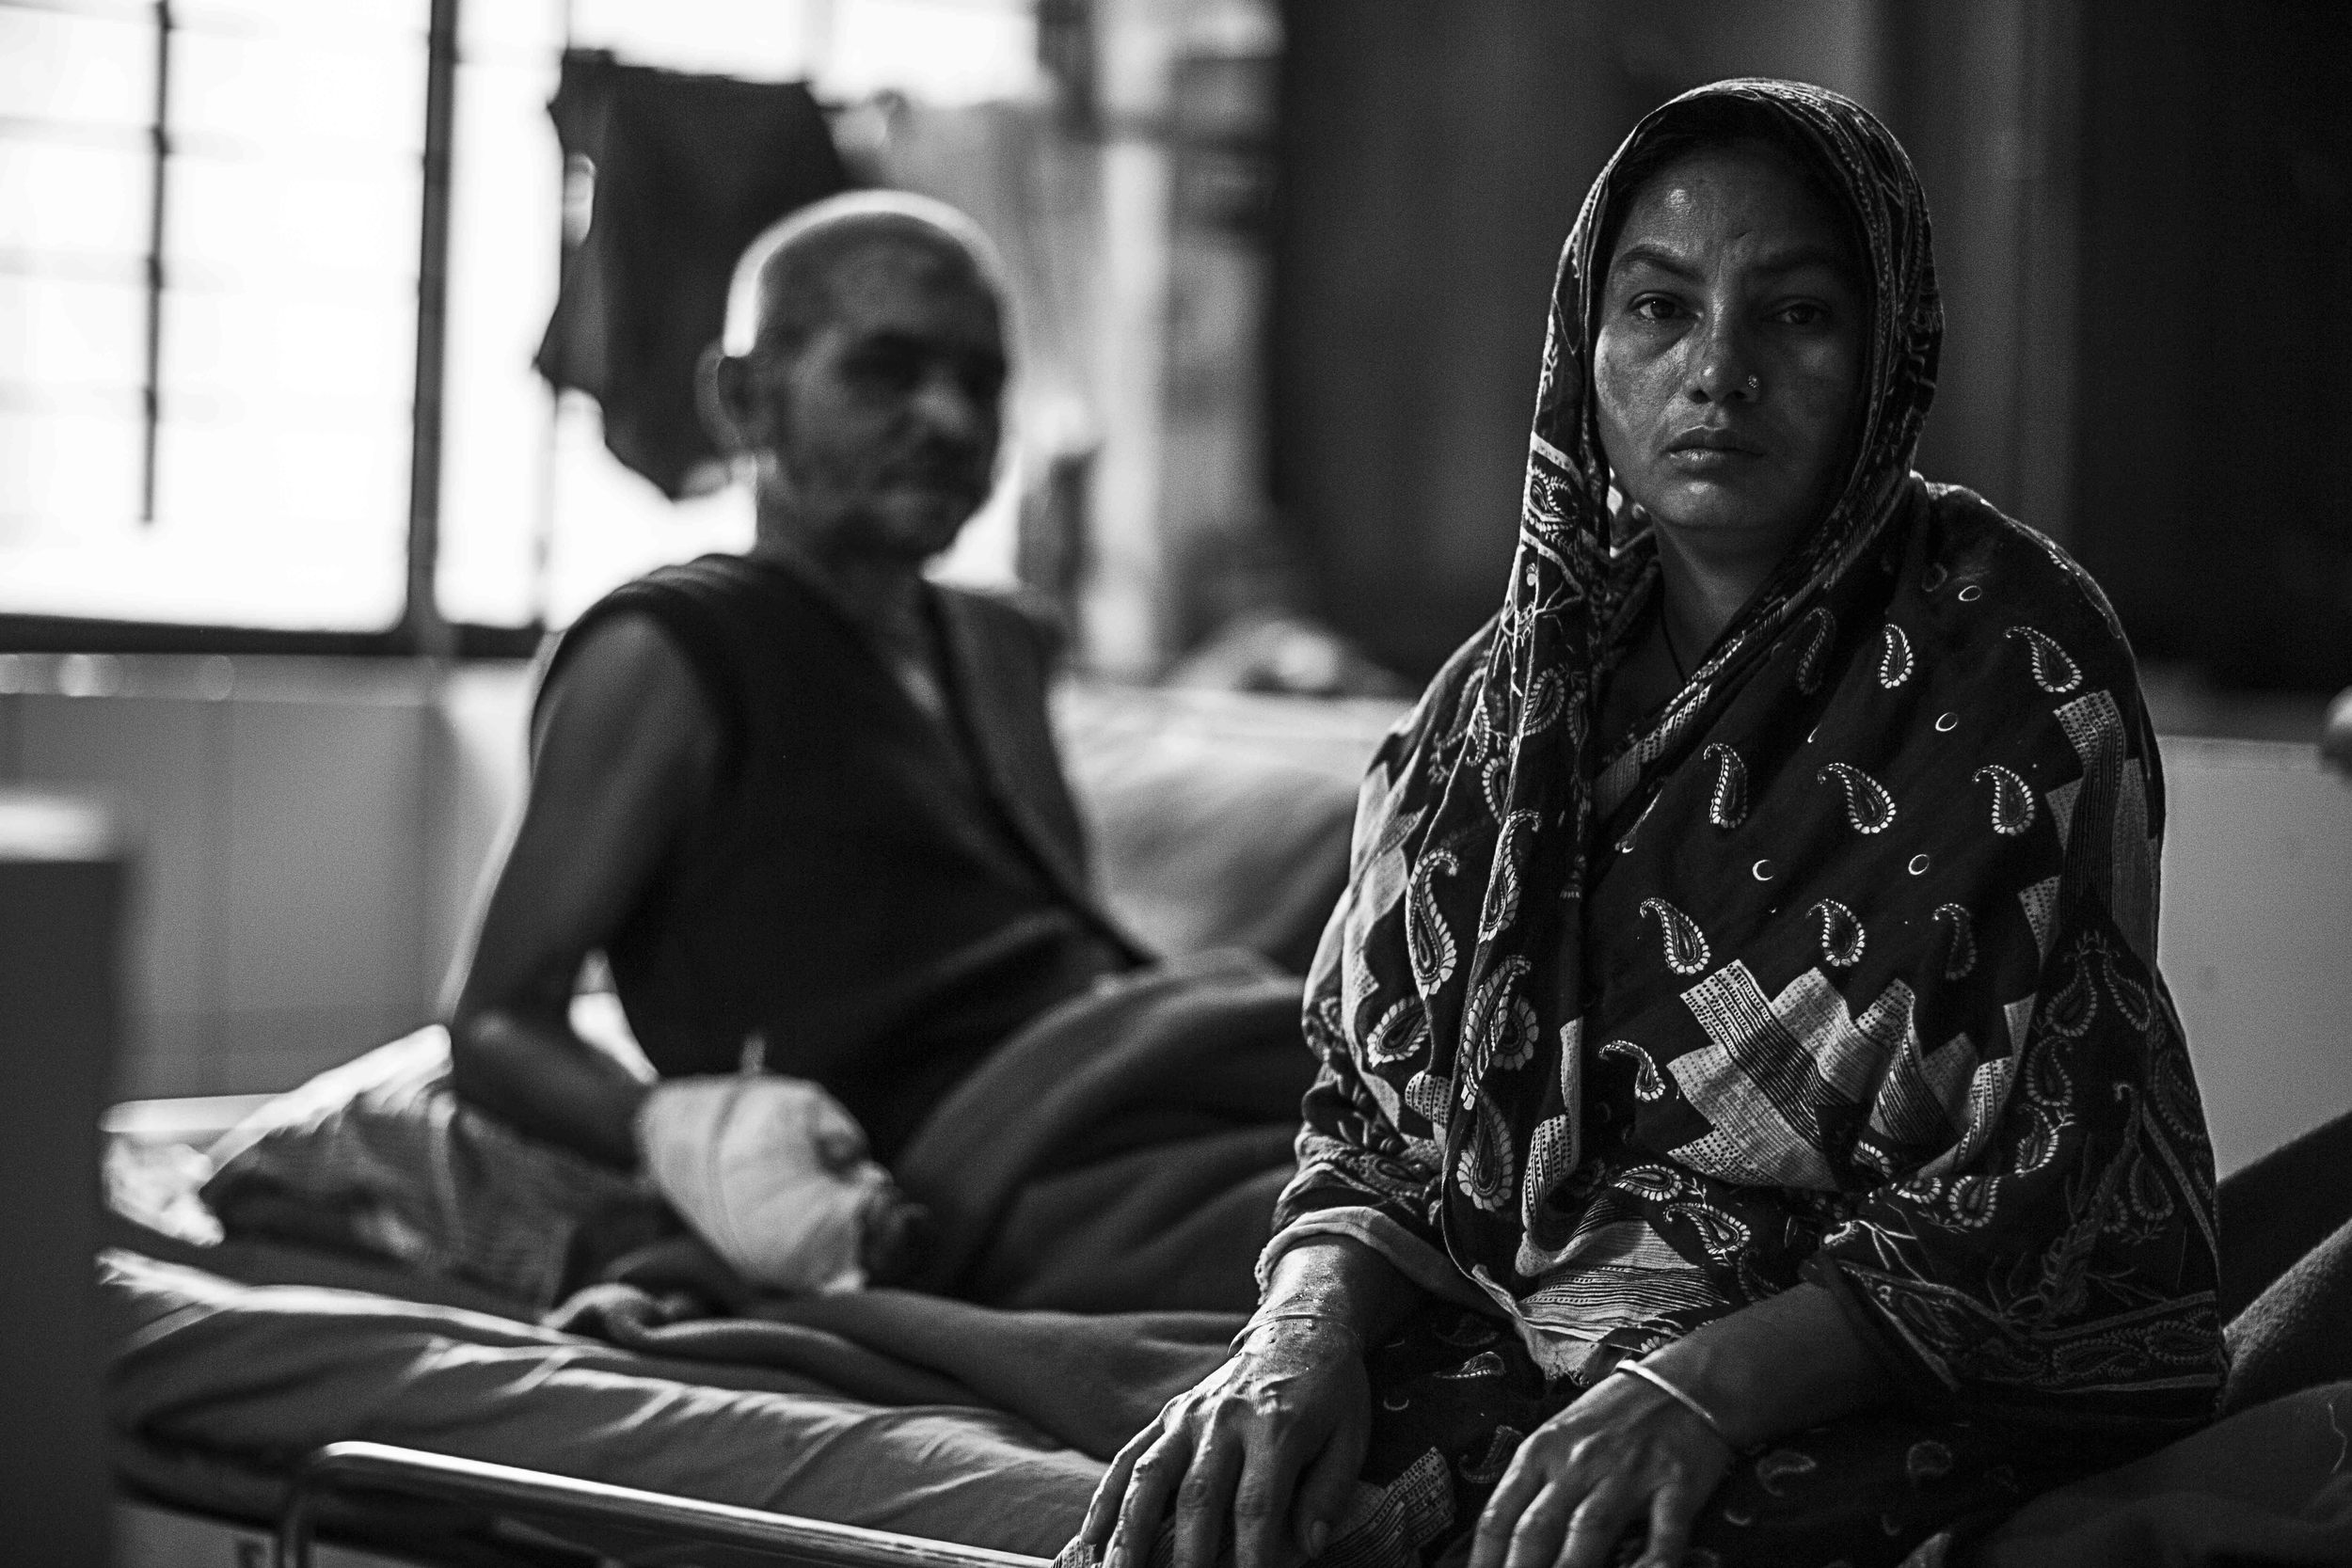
[[479, 725], [315, 833], [287, 878], [164, 760], [324, 875]]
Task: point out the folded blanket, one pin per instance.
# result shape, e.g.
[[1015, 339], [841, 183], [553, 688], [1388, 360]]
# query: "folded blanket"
[[1122, 1152], [1100, 1190], [2276, 1211], [1087, 1380], [2298, 1331], [2286, 1267], [379, 1157], [216, 1389], [2271, 1485]]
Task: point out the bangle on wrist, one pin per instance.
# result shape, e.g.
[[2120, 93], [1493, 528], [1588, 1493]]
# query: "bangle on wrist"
[[1659, 1381], [1259, 1321]]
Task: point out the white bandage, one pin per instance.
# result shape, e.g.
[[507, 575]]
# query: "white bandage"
[[772, 1172]]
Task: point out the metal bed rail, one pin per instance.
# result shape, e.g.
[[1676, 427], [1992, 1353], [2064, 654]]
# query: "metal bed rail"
[[380, 1469]]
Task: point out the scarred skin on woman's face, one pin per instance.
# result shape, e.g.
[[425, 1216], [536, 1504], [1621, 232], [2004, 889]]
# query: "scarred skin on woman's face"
[[1729, 353]]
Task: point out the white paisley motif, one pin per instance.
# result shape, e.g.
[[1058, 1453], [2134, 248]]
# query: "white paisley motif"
[[2053, 671], [2131, 997], [2074, 1004], [1500, 1026], [1427, 941], [1401, 1032], [1502, 889], [1842, 936], [2013, 802], [1486, 1171], [1723, 1237], [1962, 956], [1868, 807], [1654, 1184], [1647, 1085], [1544, 700], [1894, 664], [1819, 628], [1684, 944], [1728, 806]]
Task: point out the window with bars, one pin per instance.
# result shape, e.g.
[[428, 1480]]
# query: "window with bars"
[[212, 219], [209, 242]]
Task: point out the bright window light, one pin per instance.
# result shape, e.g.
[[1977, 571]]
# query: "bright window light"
[[538, 520], [272, 490], [233, 448]]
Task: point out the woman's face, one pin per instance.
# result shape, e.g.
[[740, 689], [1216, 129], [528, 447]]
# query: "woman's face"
[[1729, 355]]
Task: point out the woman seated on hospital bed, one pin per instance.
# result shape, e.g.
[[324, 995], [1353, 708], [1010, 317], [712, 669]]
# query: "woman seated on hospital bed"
[[1749, 1115]]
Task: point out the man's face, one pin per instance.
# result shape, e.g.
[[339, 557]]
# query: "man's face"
[[880, 434]]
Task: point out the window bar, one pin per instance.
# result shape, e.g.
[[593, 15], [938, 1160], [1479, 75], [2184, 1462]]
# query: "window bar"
[[429, 633], [152, 393]]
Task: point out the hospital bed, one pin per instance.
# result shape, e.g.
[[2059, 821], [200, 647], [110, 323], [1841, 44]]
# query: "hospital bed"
[[385, 1471], [1216, 819], [916, 1481]]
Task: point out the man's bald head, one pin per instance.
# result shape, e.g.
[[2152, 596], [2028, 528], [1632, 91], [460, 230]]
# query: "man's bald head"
[[863, 378], [789, 282]]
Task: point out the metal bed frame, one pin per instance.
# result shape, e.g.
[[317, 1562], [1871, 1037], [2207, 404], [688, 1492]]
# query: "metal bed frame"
[[379, 1470]]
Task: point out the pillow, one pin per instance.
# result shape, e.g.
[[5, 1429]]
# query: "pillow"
[[1219, 818]]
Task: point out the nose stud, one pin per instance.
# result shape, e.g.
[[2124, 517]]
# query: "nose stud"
[[1754, 384]]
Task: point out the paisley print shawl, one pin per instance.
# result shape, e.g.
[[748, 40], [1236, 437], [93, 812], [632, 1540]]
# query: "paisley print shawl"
[[1841, 968]]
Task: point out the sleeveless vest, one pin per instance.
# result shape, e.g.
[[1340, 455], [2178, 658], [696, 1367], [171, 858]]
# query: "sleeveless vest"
[[877, 897]]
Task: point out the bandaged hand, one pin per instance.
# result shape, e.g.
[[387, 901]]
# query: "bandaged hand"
[[773, 1174]]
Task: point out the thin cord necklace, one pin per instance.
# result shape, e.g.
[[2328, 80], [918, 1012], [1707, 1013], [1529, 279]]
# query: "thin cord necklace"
[[1666, 632]]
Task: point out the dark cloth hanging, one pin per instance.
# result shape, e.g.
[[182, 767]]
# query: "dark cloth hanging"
[[688, 170]]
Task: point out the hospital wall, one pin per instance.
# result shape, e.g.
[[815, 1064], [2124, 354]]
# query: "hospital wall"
[[313, 831], [309, 831]]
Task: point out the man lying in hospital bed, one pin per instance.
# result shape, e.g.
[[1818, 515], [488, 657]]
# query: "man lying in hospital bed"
[[806, 803]]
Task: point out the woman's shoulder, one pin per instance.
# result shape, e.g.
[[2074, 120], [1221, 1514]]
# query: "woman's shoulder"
[[1448, 705], [1973, 558]]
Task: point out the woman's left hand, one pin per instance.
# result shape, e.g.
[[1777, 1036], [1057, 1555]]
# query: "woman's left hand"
[[1623, 1453]]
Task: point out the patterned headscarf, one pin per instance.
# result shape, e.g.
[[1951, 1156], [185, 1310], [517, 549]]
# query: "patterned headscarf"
[[1568, 591], [1502, 796], [1624, 1034]]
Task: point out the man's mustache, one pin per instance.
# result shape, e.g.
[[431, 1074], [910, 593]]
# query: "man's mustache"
[[938, 465]]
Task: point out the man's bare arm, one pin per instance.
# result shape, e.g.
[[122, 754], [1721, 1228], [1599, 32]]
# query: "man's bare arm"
[[626, 751]]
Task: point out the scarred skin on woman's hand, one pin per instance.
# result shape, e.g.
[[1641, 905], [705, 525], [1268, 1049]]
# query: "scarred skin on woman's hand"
[[1271, 1441], [1628, 1454], [1624, 1455], [1269, 1446]]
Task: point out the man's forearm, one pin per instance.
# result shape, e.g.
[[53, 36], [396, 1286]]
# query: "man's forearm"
[[535, 1074]]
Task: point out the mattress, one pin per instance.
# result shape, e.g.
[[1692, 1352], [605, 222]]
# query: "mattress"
[[218, 1387]]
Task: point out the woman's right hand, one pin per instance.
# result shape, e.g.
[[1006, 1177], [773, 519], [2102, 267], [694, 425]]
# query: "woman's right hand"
[[1270, 1443]]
